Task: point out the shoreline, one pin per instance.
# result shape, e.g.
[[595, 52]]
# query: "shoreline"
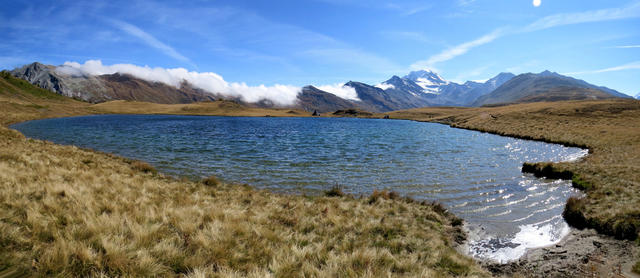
[[495, 267], [581, 253], [489, 120]]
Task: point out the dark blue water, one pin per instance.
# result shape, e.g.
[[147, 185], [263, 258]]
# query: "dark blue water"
[[477, 175]]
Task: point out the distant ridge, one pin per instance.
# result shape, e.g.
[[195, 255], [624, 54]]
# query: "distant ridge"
[[314, 99], [545, 86], [108, 87], [419, 88]]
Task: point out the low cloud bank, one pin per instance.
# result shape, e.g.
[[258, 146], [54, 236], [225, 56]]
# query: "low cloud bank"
[[208, 81], [341, 90]]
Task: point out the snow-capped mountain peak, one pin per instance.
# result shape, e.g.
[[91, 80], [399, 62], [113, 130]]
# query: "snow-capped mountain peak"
[[429, 80], [427, 75]]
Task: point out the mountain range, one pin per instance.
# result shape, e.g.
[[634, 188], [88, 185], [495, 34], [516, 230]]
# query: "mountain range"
[[416, 89], [108, 87]]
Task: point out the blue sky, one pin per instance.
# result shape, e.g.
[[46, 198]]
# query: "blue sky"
[[332, 41]]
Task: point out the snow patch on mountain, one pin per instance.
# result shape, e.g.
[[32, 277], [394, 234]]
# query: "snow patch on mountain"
[[429, 80], [385, 86]]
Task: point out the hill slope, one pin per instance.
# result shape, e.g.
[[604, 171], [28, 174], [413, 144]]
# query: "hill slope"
[[108, 87], [545, 86], [314, 99]]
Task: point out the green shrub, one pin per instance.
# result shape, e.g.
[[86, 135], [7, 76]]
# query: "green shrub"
[[578, 183]]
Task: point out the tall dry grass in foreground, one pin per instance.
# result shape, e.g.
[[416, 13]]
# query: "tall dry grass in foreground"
[[67, 211]]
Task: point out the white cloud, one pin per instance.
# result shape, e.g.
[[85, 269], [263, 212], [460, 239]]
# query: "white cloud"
[[208, 81], [628, 66], [458, 50], [464, 3], [385, 86], [627, 46], [630, 11], [150, 40], [340, 90]]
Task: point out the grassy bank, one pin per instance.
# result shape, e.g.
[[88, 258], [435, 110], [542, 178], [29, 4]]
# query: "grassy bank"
[[610, 175], [72, 212]]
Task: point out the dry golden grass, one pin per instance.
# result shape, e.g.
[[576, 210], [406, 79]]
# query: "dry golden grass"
[[66, 211], [217, 108], [610, 175]]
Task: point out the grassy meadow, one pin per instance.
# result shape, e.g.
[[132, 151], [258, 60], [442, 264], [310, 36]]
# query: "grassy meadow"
[[66, 211]]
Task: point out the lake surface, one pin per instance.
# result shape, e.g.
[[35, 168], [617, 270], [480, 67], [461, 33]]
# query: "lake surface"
[[476, 175]]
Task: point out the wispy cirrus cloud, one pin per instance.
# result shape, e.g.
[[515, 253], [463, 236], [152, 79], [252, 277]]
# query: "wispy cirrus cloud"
[[405, 8], [628, 66], [150, 40], [458, 50], [627, 46], [629, 11], [464, 3]]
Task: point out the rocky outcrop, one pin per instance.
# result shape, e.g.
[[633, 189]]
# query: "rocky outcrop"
[[42, 76], [108, 87]]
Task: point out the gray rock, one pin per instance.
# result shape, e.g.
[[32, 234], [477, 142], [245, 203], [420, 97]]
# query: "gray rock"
[[42, 76]]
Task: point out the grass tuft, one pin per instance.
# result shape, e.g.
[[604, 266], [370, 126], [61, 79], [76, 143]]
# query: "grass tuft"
[[579, 183], [143, 167], [452, 267], [335, 191], [573, 212], [636, 267], [383, 194], [546, 170], [211, 181]]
